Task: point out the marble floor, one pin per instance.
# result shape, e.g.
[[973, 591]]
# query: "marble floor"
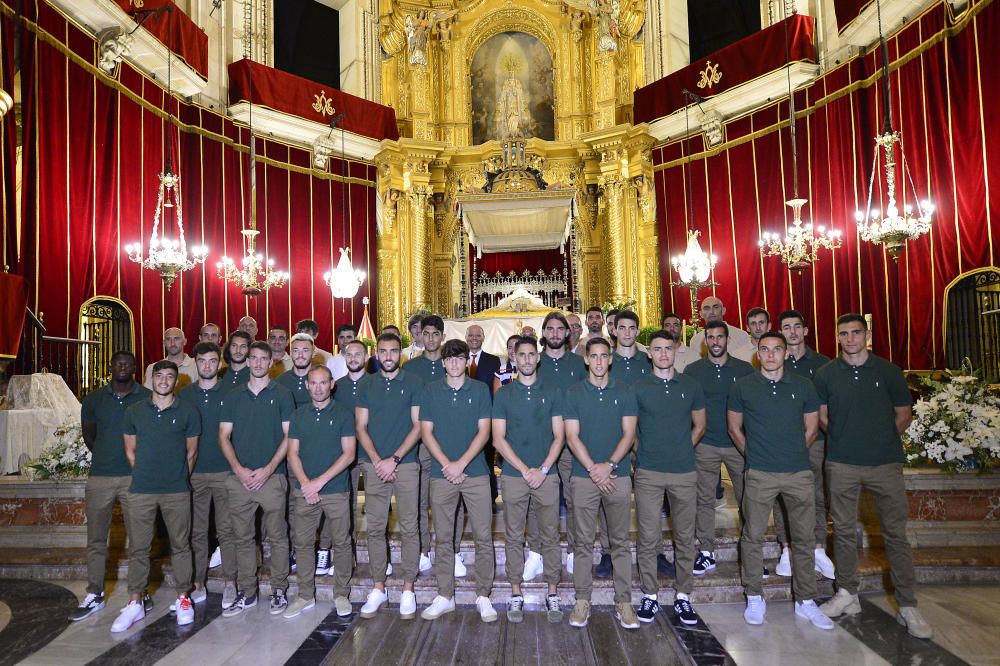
[[34, 630]]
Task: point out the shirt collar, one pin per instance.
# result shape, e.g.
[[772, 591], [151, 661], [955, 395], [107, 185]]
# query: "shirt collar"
[[869, 362], [466, 385], [217, 387], [152, 405], [329, 406], [135, 389], [785, 378], [522, 387], [590, 385]]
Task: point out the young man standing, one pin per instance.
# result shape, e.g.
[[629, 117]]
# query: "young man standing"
[[630, 363], [865, 405], [600, 415], [528, 433], [758, 323], [740, 345], [803, 361], [208, 480], [388, 424], [161, 443], [253, 437], [210, 333], [277, 338], [338, 364], [173, 344], [716, 373], [683, 356], [294, 380], [595, 329], [309, 326], [321, 447], [671, 423], [110, 474], [237, 372], [416, 348], [454, 425], [773, 418]]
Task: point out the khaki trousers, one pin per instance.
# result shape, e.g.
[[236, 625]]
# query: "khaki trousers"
[[336, 507], [99, 497], [885, 482], [209, 489], [817, 454], [681, 490], [588, 500], [708, 461], [565, 467], [759, 492], [425, 518], [326, 535], [272, 499], [445, 500], [544, 502], [378, 498], [176, 511]]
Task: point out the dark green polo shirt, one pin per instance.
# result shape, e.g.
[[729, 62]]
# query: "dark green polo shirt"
[[664, 432], [426, 370], [630, 370], [161, 445], [297, 386], [107, 410], [348, 391], [231, 379], [861, 402], [772, 420], [808, 365], [389, 403], [561, 373], [208, 402], [257, 420], [528, 411], [319, 432], [600, 412], [716, 380], [455, 414]]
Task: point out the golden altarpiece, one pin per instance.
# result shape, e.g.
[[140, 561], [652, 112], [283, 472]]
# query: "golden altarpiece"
[[514, 102]]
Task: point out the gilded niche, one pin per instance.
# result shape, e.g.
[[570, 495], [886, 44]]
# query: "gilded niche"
[[512, 89]]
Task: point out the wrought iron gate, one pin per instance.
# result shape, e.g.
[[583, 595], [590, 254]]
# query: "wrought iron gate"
[[972, 327], [108, 322]]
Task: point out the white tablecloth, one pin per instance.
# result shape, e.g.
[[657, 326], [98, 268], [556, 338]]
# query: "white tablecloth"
[[26, 431]]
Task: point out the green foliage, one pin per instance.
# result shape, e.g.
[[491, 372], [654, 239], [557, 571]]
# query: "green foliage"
[[644, 333], [608, 306]]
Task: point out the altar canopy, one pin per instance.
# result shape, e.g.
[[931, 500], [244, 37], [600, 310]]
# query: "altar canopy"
[[511, 223]]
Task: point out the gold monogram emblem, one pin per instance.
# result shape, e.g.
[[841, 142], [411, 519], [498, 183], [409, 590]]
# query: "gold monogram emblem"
[[710, 75], [323, 104]]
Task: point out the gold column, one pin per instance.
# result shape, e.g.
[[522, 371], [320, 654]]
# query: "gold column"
[[420, 249], [614, 232]]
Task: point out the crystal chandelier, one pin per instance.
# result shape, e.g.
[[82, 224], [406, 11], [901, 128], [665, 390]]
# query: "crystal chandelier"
[[891, 229], [255, 273], [344, 281], [800, 246], [167, 256]]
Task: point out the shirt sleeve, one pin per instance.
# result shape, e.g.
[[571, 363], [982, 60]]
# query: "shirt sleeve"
[[812, 401], [697, 396], [88, 411], [630, 406], [424, 405], [293, 428], [286, 404], [899, 392], [485, 403], [500, 404], [193, 422], [569, 406], [362, 400], [735, 402], [226, 413], [128, 423], [348, 429], [819, 383]]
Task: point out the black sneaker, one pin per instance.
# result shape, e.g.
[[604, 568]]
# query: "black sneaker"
[[242, 603], [604, 567], [766, 573], [91, 604], [684, 612], [278, 602], [703, 564], [147, 604], [665, 567], [648, 610]]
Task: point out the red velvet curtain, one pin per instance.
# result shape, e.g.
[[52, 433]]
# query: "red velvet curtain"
[[97, 152], [492, 262], [173, 28], [940, 102]]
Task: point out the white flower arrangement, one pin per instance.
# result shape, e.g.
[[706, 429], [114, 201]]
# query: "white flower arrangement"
[[64, 457], [956, 425]]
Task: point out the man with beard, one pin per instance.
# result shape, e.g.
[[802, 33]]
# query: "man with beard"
[[740, 344], [237, 372], [388, 425], [277, 338], [295, 380], [338, 364], [210, 333], [528, 431], [320, 356], [173, 344], [716, 373], [595, 329], [253, 437], [683, 355], [208, 480]]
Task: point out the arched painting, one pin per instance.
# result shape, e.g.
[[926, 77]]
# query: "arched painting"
[[512, 89]]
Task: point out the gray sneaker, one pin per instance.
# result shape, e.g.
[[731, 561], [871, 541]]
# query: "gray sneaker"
[[515, 610], [92, 603], [554, 608], [278, 602], [228, 596]]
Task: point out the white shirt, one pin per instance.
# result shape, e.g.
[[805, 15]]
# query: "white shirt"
[[187, 373], [338, 366]]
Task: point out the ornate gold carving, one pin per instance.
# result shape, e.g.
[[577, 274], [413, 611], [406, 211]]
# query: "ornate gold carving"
[[389, 211], [512, 19], [710, 75], [323, 104], [593, 283]]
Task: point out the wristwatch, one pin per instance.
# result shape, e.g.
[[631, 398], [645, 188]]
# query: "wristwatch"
[[544, 470], [397, 460], [613, 465]]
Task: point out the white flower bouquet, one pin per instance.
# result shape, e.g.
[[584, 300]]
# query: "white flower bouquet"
[[955, 425], [64, 457]]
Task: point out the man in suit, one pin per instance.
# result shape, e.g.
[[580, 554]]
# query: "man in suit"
[[482, 366]]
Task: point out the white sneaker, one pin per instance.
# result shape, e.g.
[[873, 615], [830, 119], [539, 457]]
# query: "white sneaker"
[[129, 615], [216, 559], [408, 606], [199, 595], [185, 611], [460, 569], [824, 565], [784, 567], [388, 568], [486, 610], [533, 566], [425, 563], [375, 600], [569, 563], [438, 607], [756, 608], [810, 611]]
